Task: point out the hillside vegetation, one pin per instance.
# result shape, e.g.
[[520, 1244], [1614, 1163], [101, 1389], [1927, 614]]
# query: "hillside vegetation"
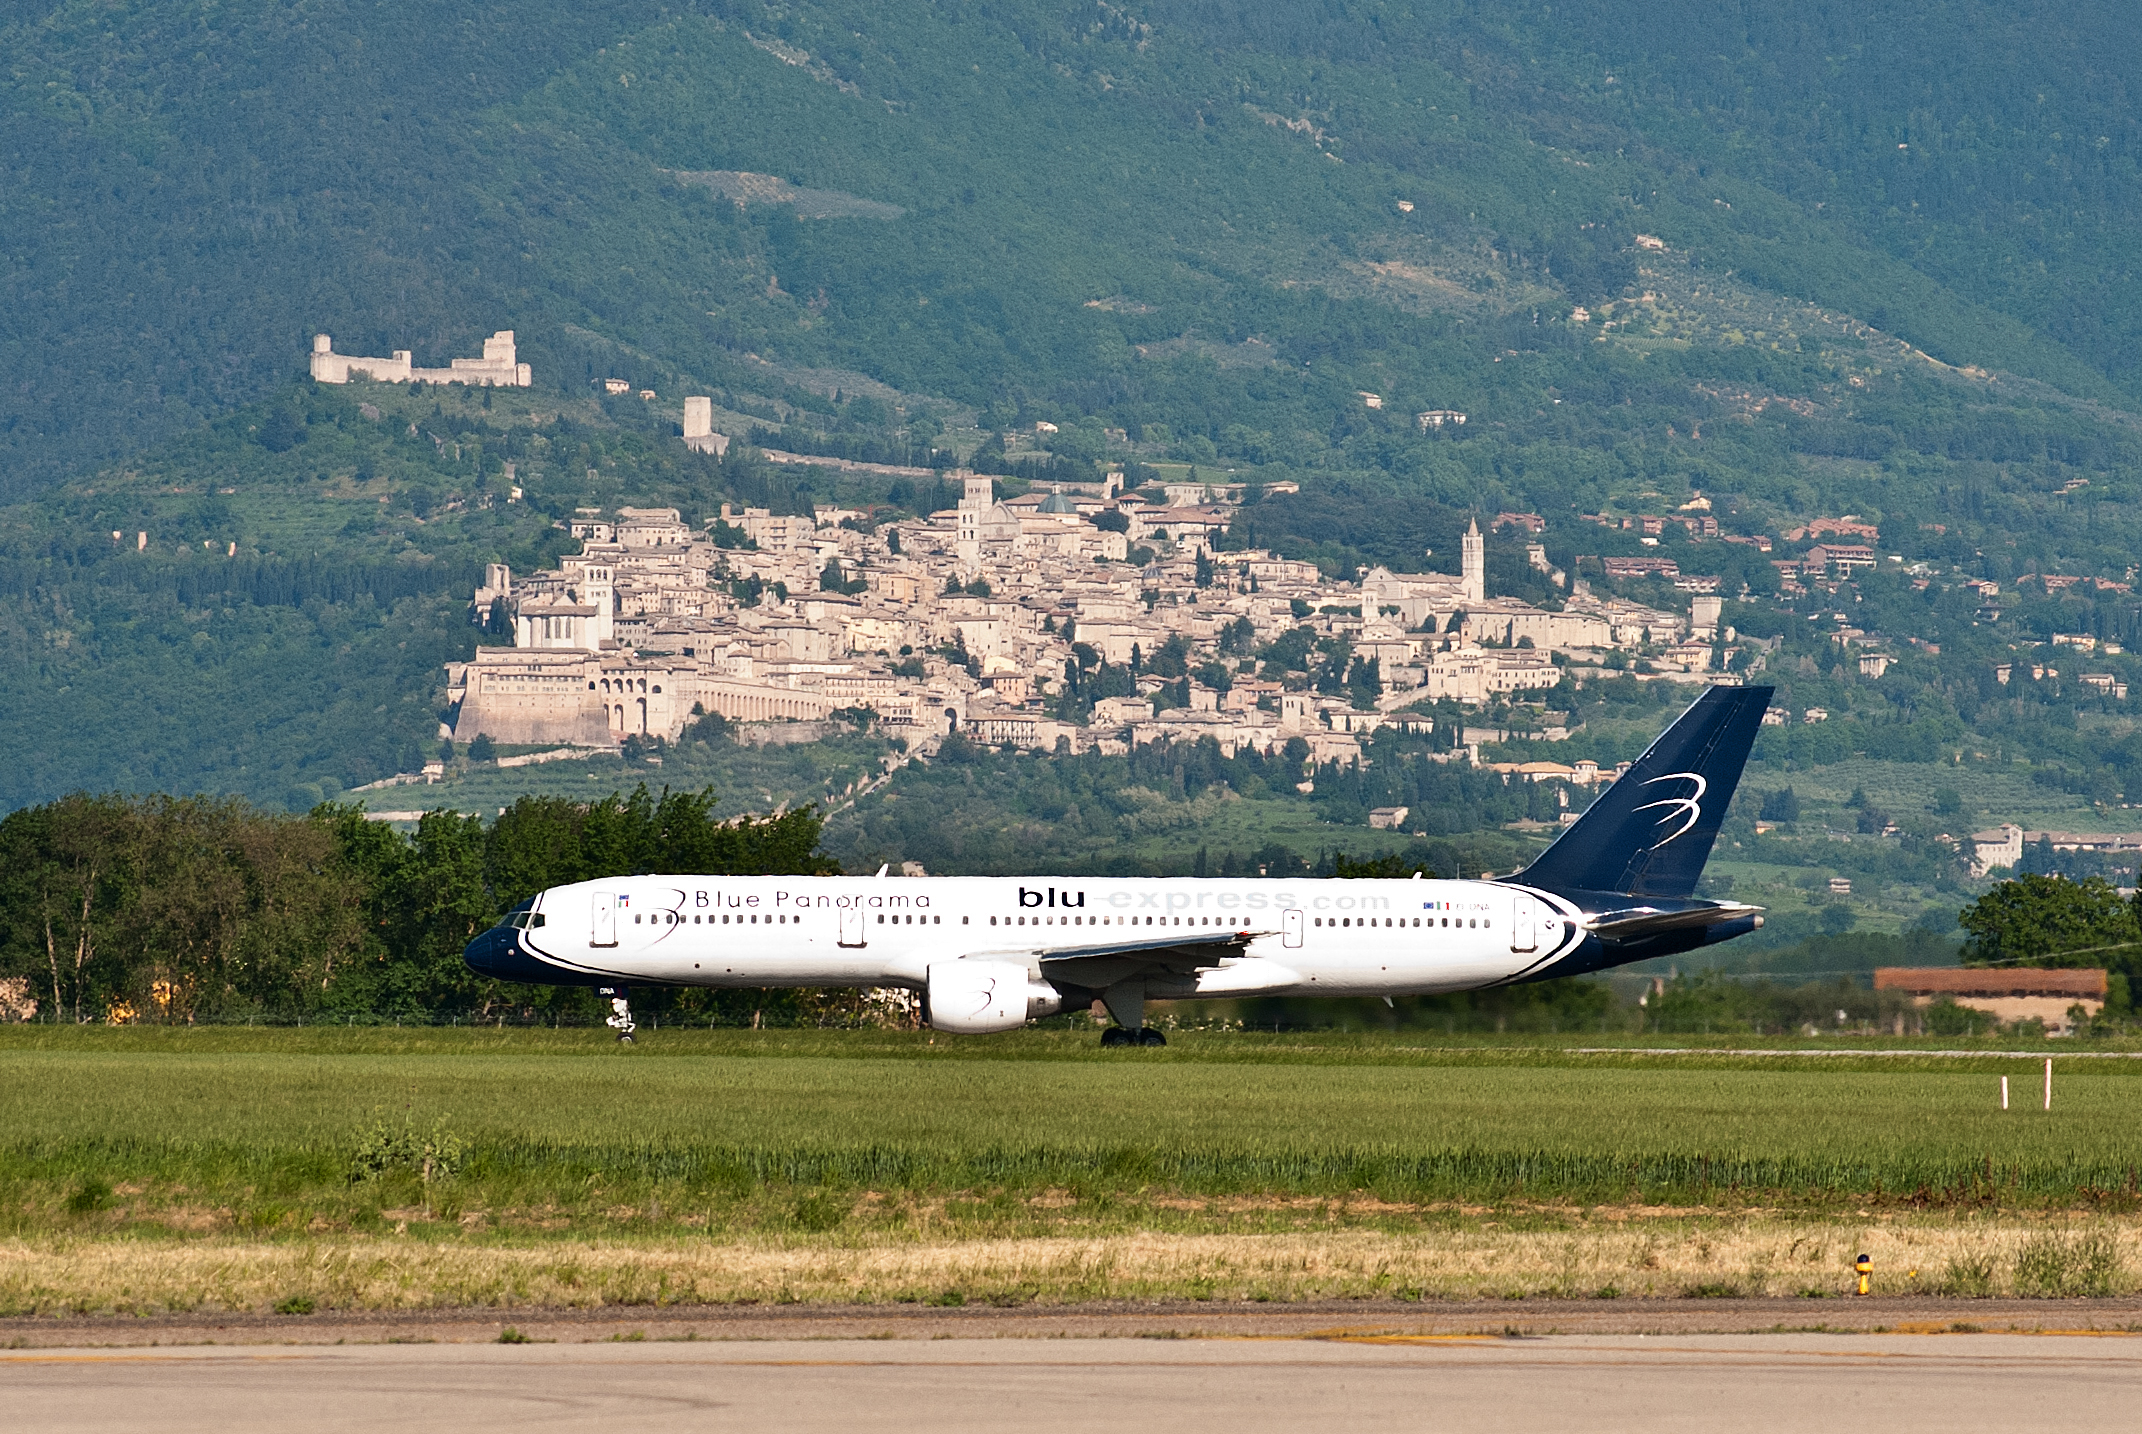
[[1874, 262], [191, 193]]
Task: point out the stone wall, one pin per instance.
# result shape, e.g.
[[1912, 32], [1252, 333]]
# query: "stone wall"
[[498, 368]]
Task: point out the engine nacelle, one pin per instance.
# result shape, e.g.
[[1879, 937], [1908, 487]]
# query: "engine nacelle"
[[978, 997]]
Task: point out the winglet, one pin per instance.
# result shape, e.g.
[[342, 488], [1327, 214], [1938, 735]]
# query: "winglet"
[[885, 868]]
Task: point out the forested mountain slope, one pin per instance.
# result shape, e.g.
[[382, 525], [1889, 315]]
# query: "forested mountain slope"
[[1873, 259], [191, 190]]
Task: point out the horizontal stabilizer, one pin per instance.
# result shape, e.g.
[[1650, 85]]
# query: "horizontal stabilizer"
[[1633, 923]]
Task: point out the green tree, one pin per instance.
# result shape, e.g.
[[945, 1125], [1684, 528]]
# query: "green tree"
[[68, 872], [1389, 865], [1171, 658], [2048, 920], [1364, 683]]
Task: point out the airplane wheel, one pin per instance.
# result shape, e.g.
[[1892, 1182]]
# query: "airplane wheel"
[[624, 1040], [1117, 1036], [1147, 1036]]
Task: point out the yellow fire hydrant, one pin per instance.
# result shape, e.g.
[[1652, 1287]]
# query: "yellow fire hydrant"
[[1865, 1267]]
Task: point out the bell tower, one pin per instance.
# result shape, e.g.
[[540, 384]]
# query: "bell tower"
[[1472, 568]]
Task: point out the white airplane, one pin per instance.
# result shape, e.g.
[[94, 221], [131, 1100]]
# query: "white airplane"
[[991, 953]]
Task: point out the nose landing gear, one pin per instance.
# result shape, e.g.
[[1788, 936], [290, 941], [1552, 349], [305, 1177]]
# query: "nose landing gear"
[[620, 1017]]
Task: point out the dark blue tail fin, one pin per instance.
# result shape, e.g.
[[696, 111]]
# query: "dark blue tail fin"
[[1650, 833]]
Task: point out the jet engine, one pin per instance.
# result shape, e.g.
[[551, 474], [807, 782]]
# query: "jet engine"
[[977, 997]]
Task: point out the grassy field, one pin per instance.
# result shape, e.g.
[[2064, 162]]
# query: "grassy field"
[[157, 1169]]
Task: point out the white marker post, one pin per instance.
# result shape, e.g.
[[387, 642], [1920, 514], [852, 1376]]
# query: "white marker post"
[[2049, 1083], [2004, 1092]]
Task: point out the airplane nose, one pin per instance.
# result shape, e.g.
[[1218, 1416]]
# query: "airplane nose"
[[484, 954]]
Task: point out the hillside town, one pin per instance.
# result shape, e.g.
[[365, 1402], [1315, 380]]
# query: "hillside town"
[[983, 618]]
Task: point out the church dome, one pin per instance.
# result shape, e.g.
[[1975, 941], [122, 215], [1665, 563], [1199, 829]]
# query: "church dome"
[[1058, 503]]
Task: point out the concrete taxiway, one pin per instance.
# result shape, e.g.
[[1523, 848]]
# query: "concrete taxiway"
[[1240, 1385], [1101, 1319]]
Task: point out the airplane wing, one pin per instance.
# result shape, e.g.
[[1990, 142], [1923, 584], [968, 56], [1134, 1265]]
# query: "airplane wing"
[[1104, 963]]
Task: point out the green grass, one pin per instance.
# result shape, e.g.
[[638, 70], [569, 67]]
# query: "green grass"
[[135, 1129], [745, 778]]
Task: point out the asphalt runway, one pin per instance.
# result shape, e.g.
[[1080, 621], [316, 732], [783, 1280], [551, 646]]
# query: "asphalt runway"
[[1657, 1385]]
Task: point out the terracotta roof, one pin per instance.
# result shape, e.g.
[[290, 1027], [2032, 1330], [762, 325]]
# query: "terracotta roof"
[[1984, 981]]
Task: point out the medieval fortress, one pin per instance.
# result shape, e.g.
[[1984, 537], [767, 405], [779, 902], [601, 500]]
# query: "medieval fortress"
[[498, 368]]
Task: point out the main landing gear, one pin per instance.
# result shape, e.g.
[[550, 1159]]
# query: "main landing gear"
[[1126, 1007], [620, 1018]]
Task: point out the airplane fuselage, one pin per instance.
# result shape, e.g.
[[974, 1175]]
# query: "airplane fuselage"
[[1308, 937], [990, 953]]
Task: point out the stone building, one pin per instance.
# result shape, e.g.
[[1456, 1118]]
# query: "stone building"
[[498, 368], [1429, 600], [966, 619], [2057, 997]]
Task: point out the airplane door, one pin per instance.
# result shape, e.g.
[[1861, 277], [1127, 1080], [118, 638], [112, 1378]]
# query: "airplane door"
[[1291, 927], [851, 926], [605, 919], [1525, 929]]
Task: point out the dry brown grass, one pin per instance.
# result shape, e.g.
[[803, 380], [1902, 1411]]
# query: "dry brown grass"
[[1752, 1256]]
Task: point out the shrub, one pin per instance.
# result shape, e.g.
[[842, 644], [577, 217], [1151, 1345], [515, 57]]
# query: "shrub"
[[436, 1155]]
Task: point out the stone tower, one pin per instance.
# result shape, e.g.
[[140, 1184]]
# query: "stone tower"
[[699, 434], [977, 497], [1472, 569]]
